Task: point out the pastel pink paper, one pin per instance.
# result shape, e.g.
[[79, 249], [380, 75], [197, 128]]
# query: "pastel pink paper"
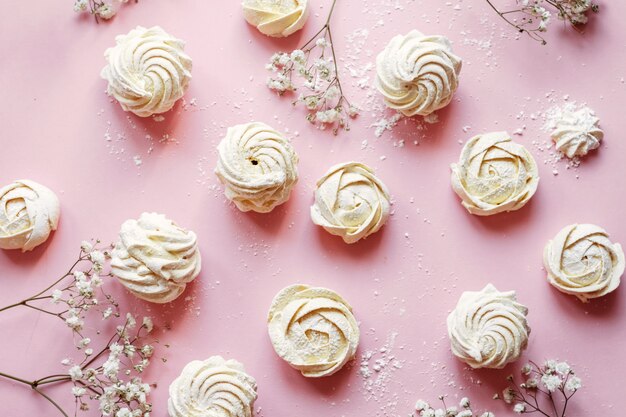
[[54, 119]]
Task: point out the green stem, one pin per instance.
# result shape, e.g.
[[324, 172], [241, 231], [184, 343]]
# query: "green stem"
[[14, 378], [33, 385]]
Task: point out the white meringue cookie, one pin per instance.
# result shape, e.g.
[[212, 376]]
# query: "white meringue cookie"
[[313, 330], [494, 174], [212, 388], [29, 212], [582, 261], [488, 328], [417, 74], [351, 202], [277, 18], [155, 259], [577, 132], [147, 71], [258, 167]]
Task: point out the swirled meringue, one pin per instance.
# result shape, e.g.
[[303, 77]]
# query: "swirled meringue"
[[582, 261], [147, 71], [577, 132], [155, 259], [313, 330], [488, 328], [351, 202], [29, 212], [494, 174], [277, 18], [212, 388], [258, 167], [417, 74]]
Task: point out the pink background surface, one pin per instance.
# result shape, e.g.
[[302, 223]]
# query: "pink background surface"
[[56, 120]]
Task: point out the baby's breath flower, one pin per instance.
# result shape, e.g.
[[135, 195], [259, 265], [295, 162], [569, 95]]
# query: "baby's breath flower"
[[105, 11], [75, 372], [562, 368], [147, 324], [80, 6], [421, 405], [519, 408], [56, 296], [551, 382], [573, 384], [78, 391], [508, 395]]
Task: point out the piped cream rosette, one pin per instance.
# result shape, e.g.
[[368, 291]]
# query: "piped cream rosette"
[[29, 212], [155, 259], [313, 330], [147, 71], [351, 202], [582, 261], [417, 74], [488, 328], [494, 174], [277, 18], [213, 388]]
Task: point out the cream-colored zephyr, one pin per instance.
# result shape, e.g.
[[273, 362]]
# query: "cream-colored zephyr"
[[212, 388], [488, 328], [258, 167], [147, 71], [277, 18], [351, 202], [582, 261], [494, 174], [155, 259], [313, 330], [417, 74], [29, 212], [577, 132]]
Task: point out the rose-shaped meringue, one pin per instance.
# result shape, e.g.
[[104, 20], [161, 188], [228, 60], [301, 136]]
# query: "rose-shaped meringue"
[[577, 132], [417, 74], [212, 388], [276, 18], [488, 328], [351, 202], [155, 259], [147, 71], [313, 330], [582, 261], [258, 167], [494, 174], [28, 213]]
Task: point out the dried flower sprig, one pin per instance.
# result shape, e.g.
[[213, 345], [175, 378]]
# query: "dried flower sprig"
[[533, 16], [111, 375], [544, 389], [464, 409], [100, 9], [324, 97]]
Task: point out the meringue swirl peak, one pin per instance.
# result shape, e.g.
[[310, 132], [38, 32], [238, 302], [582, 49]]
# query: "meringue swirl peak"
[[257, 166], [488, 328], [155, 259], [417, 74], [147, 71]]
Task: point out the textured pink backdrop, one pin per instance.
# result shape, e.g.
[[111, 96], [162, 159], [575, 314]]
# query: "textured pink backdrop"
[[56, 120]]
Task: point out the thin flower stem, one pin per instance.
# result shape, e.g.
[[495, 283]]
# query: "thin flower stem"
[[38, 296], [14, 378], [57, 406]]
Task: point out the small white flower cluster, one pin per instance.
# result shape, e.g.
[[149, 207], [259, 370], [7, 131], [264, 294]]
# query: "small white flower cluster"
[[537, 14], [463, 410], [551, 378], [112, 377], [323, 97], [80, 295], [99, 8]]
